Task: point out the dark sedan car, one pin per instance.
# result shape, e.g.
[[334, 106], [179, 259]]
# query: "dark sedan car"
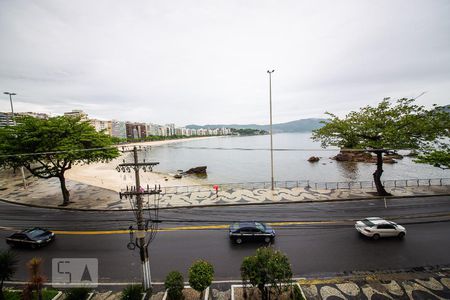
[[251, 231], [33, 237]]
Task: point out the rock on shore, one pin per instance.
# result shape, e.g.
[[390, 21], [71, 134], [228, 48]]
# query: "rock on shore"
[[359, 156]]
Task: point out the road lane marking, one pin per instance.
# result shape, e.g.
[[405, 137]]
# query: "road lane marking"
[[186, 228], [209, 227]]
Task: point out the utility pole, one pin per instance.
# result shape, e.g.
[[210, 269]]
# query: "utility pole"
[[142, 226], [271, 137]]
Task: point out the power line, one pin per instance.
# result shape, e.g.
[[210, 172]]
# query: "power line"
[[286, 149], [205, 148], [56, 152]]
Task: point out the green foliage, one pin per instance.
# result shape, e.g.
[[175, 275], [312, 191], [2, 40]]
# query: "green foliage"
[[297, 295], [12, 295], [174, 285], [403, 125], [47, 294], [49, 147], [79, 293], [388, 126], [132, 292], [437, 158], [267, 266], [8, 264], [248, 131], [201, 274]]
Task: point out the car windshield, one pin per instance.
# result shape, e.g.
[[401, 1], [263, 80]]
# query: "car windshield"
[[367, 222], [35, 233]]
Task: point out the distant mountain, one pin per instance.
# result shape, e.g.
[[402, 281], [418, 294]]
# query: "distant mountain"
[[302, 125], [447, 108]]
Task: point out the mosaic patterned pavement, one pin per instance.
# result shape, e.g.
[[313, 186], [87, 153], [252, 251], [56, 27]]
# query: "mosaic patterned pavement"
[[433, 287], [47, 193]]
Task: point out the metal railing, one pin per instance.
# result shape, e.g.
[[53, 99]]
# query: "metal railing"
[[330, 185]]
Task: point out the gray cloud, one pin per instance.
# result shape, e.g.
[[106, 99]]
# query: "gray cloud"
[[205, 62]]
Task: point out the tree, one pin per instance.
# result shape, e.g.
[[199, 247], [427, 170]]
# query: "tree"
[[437, 153], [174, 285], [267, 266], [437, 158], [36, 279], [49, 147], [383, 128], [8, 263], [201, 274]]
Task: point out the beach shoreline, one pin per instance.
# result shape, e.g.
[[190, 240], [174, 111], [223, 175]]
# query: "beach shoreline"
[[105, 175]]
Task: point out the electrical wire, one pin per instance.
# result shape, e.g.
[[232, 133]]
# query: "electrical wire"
[[56, 152]]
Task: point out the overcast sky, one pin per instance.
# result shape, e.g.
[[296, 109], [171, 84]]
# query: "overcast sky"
[[205, 61]]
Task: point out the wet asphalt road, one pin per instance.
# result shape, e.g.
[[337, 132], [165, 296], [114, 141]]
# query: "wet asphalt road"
[[312, 249]]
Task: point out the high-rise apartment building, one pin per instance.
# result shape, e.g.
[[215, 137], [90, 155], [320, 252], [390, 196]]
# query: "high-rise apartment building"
[[102, 126], [77, 113], [136, 130], [118, 129]]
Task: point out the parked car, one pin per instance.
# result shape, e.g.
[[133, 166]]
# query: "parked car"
[[376, 227], [251, 231], [32, 237]]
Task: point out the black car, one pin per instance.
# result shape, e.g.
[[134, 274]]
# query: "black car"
[[33, 237], [251, 231]]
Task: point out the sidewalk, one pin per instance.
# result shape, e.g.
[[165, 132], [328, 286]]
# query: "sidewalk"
[[421, 284], [47, 193]]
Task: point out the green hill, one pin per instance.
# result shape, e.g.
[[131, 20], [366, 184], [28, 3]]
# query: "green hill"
[[302, 125]]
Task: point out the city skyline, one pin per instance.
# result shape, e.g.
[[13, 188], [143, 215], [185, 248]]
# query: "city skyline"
[[207, 63]]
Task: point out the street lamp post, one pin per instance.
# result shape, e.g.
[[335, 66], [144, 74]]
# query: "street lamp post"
[[12, 108], [271, 137], [14, 123]]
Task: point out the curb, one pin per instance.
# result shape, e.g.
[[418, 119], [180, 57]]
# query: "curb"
[[231, 204], [329, 277]]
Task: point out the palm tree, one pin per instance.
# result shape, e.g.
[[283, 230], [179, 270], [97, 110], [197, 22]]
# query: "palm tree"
[[8, 263], [36, 277]]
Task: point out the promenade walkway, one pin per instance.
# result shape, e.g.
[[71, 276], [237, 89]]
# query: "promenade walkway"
[[47, 193]]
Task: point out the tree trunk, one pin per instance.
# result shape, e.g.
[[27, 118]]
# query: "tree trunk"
[[64, 190], [377, 175], [263, 290]]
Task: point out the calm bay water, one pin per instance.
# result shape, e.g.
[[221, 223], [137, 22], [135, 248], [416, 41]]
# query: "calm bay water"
[[247, 159]]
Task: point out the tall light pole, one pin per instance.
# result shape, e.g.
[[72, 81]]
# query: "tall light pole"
[[12, 108], [271, 136], [14, 123]]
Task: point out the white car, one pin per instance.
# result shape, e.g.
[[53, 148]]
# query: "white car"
[[376, 227]]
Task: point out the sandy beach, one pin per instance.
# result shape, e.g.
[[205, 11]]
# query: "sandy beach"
[[104, 175]]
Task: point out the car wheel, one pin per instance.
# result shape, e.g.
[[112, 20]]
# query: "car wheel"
[[33, 246], [401, 235], [238, 241], [267, 240], [376, 236]]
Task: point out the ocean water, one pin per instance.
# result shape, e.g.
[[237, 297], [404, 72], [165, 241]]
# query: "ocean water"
[[247, 159]]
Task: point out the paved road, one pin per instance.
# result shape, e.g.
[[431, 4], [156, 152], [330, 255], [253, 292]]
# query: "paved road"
[[312, 249], [17, 216]]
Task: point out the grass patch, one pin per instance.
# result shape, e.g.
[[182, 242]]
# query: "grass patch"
[[47, 294]]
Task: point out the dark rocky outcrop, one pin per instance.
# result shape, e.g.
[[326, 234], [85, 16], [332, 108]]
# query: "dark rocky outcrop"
[[359, 156], [314, 159], [196, 170]]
